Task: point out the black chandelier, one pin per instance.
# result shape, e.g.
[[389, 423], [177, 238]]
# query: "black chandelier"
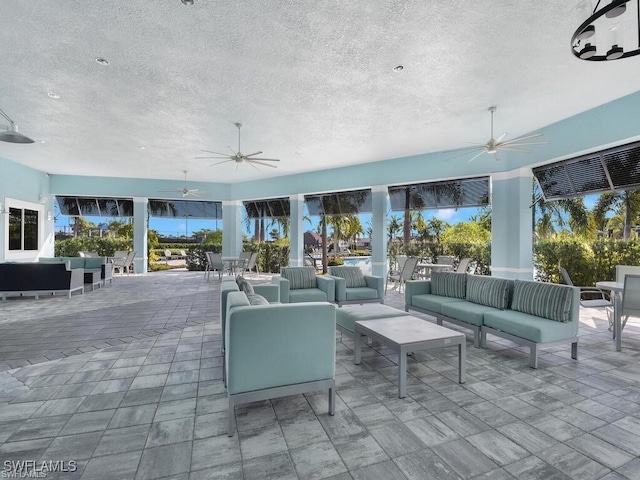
[[583, 45]]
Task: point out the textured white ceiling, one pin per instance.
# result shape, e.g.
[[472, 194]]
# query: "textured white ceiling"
[[312, 82]]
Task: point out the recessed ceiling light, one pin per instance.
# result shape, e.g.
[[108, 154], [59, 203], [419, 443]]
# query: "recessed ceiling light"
[[102, 61], [143, 148], [53, 95], [398, 68], [43, 141]]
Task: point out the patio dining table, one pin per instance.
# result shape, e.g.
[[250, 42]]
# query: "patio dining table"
[[423, 270], [616, 289], [233, 263]]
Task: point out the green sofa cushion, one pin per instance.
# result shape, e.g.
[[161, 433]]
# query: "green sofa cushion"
[[449, 284], [468, 312], [353, 276], [547, 300], [531, 327], [361, 293], [433, 303], [489, 291], [299, 277], [307, 295]]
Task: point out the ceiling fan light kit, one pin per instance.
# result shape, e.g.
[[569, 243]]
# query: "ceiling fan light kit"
[[11, 135], [238, 157], [609, 41]]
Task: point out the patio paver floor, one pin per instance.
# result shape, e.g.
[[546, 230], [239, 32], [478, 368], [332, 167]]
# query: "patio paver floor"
[[126, 382]]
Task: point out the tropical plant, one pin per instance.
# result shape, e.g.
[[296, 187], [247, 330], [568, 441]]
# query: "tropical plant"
[[624, 202]]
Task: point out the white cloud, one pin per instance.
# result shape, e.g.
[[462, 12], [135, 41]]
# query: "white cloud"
[[445, 214]]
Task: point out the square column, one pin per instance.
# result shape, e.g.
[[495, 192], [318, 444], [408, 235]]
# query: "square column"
[[512, 224], [379, 207], [140, 233], [231, 228], [296, 231]]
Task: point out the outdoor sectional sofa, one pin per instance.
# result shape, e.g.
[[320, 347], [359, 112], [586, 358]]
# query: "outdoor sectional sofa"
[[35, 279], [97, 270], [528, 313], [275, 350]]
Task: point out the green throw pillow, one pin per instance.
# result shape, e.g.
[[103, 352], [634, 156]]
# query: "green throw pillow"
[[489, 291], [255, 299], [449, 284], [353, 276], [547, 300], [244, 285]]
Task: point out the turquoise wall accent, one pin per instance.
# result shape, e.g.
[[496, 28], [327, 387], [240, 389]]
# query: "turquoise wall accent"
[[25, 184]]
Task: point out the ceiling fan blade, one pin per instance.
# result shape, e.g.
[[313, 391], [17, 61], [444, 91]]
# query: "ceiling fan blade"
[[512, 149], [502, 145], [224, 156], [465, 151], [499, 139], [495, 154], [217, 153], [264, 159], [252, 165], [252, 154], [524, 137], [170, 190], [234, 153], [225, 161], [476, 156], [260, 163], [472, 143], [235, 168]]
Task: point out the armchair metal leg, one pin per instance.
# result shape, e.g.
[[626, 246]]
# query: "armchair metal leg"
[[332, 401]]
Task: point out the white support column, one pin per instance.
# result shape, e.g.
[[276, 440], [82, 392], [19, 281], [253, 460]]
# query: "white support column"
[[231, 228], [379, 207], [296, 231], [512, 225], [140, 233]]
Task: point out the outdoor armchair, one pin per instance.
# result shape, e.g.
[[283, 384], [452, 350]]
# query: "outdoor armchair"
[[301, 284], [352, 286]]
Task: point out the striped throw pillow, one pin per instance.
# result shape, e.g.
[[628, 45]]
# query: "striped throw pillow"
[[547, 300], [489, 291], [449, 284], [353, 276], [299, 277]]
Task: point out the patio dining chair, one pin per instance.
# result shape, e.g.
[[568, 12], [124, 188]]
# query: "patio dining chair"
[[463, 265], [214, 263], [590, 297], [406, 274], [630, 298]]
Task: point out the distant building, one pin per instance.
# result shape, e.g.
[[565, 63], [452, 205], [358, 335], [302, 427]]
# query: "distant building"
[[312, 239]]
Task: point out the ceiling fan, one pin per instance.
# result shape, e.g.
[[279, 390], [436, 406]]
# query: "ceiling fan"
[[496, 144], [238, 157], [194, 192]]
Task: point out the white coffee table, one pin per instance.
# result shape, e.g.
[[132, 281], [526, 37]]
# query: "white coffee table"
[[410, 334]]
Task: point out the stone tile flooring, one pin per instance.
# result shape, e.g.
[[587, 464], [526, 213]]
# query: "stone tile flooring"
[[126, 383]]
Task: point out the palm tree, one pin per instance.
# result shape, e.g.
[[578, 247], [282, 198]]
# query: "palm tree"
[[623, 202], [567, 212], [394, 227]]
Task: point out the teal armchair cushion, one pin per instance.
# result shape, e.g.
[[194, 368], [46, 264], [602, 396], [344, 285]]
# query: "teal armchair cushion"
[[323, 289], [299, 277], [489, 291], [353, 276], [449, 284], [547, 300]]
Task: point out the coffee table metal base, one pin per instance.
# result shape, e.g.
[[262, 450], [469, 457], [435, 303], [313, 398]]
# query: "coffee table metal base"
[[410, 334]]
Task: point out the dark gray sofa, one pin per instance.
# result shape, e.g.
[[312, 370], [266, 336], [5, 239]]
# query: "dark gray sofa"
[[35, 279]]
